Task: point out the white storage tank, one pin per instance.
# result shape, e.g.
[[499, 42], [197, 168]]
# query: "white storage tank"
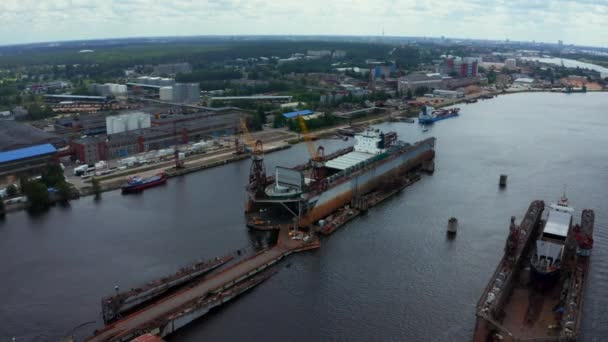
[[166, 94]]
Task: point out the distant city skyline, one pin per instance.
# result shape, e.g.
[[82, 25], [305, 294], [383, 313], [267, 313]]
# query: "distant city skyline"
[[580, 22]]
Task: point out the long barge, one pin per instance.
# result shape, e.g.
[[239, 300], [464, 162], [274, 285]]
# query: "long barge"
[[525, 300], [300, 196], [115, 306]]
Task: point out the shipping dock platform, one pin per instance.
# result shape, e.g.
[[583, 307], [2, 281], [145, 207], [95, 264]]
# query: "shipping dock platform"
[[168, 314]]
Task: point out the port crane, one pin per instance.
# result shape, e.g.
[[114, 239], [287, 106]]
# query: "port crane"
[[317, 156]]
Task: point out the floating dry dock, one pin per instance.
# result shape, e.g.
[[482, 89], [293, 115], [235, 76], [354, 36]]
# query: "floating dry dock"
[[522, 304], [116, 305], [169, 313]]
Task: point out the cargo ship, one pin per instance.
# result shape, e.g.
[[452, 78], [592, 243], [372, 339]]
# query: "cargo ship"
[[428, 114], [137, 183], [302, 195], [536, 292]]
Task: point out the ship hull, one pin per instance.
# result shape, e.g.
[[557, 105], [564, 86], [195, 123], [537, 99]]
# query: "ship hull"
[[432, 120], [337, 197], [316, 205], [126, 189], [544, 280]]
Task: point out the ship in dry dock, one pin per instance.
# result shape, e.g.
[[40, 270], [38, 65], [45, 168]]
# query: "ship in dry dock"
[[536, 292], [302, 195]]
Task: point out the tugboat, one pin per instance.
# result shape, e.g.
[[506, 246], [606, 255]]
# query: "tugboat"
[[137, 183], [547, 257], [429, 115]]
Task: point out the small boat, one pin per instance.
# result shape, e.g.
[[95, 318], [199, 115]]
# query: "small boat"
[[137, 183]]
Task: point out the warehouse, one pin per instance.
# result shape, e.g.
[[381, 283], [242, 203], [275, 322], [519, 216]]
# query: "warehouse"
[[29, 161]]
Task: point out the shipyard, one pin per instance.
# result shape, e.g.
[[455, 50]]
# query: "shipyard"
[[197, 176]]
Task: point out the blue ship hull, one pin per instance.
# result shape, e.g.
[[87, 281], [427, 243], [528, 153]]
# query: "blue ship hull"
[[431, 120]]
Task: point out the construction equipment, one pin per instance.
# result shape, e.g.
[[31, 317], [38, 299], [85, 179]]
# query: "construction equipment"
[[179, 162], [250, 142]]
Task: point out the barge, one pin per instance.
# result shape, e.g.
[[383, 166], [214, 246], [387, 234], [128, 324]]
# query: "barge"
[[536, 292], [300, 196]]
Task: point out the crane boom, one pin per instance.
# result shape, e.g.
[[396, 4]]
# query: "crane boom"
[[309, 144]]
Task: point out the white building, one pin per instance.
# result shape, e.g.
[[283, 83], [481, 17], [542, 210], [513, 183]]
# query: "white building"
[[127, 122], [510, 63]]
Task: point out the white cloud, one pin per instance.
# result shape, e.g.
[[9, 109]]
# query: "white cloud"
[[574, 21]]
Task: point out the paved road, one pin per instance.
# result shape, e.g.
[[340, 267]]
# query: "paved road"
[[171, 303]]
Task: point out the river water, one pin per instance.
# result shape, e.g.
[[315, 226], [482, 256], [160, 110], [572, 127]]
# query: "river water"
[[570, 63], [390, 275]]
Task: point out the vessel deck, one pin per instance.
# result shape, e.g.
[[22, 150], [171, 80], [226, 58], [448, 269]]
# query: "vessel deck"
[[201, 289], [528, 314]]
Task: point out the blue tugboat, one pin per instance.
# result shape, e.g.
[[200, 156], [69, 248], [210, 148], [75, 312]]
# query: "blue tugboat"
[[428, 115]]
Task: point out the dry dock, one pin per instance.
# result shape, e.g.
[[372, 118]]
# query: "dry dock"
[[168, 314]]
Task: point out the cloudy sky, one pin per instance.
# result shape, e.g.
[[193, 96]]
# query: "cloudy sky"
[[573, 21]]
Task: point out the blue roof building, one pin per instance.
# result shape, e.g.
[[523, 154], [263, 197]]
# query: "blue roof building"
[[25, 153], [298, 113]]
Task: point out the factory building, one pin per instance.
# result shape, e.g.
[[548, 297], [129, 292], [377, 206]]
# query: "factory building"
[[462, 67], [189, 93], [108, 89], [76, 98], [154, 81], [167, 131], [413, 81], [90, 149], [127, 122], [511, 63], [28, 161]]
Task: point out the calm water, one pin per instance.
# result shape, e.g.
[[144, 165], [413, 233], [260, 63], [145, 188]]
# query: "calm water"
[[391, 275], [570, 63]]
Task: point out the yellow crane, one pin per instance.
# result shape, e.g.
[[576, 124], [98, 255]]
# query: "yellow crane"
[[309, 144], [249, 141]]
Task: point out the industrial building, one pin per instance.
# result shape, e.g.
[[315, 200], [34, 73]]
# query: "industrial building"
[[28, 161], [166, 131], [511, 63], [463, 67], [413, 81], [255, 98], [15, 135], [448, 94], [90, 149], [304, 112], [108, 89], [76, 98], [154, 81], [189, 93], [127, 122]]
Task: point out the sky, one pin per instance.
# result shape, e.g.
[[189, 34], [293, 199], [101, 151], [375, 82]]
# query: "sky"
[[581, 22]]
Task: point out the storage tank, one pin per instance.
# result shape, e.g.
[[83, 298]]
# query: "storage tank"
[[166, 94], [132, 122]]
